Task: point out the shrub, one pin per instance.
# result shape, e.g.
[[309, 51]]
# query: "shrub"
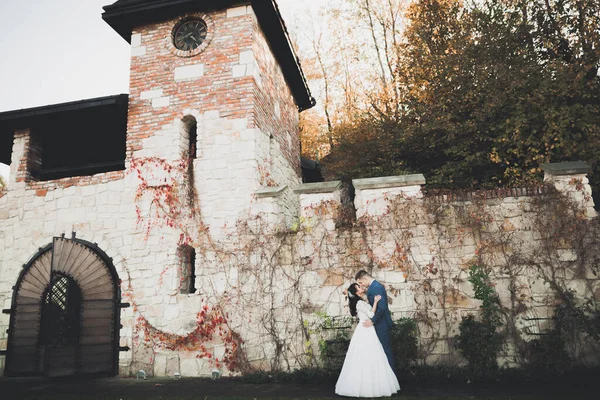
[[334, 339], [479, 343], [547, 354], [404, 342]]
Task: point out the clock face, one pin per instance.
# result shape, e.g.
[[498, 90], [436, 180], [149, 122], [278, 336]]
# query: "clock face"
[[189, 34]]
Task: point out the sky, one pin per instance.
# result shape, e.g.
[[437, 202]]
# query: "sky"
[[54, 51], [58, 50]]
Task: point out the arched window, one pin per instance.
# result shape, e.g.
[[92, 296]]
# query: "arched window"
[[187, 269], [190, 128]]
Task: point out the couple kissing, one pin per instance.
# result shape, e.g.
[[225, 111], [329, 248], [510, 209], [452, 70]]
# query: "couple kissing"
[[369, 366]]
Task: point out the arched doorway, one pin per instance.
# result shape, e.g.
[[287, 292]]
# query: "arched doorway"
[[65, 313]]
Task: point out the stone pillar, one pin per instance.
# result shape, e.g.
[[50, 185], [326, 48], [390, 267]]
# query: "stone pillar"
[[571, 178], [319, 202], [370, 192], [267, 212]]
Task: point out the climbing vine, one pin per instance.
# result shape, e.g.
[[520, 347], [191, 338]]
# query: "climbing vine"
[[515, 254]]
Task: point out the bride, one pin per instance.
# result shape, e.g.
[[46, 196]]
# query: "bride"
[[366, 371]]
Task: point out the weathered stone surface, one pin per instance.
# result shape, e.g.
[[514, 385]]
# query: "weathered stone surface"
[[389, 181], [173, 365], [566, 168], [320, 187], [331, 278], [160, 364]]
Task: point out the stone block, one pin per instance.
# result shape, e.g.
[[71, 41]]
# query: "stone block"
[[210, 115], [171, 312], [138, 51], [151, 94], [189, 72], [596, 290], [247, 57], [592, 272], [331, 278], [173, 365], [136, 40], [160, 364], [579, 286], [236, 12], [191, 367], [565, 168], [219, 352], [510, 210], [63, 203], [441, 347], [160, 102], [566, 255], [393, 277], [238, 71]]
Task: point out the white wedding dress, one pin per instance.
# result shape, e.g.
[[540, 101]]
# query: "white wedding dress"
[[366, 371]]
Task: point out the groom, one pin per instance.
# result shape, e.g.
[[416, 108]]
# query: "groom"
[[382, 320]]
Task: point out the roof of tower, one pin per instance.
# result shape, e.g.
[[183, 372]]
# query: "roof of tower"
[[124, 15]]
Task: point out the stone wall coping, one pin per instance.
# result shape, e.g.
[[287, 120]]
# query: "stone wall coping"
[[566, 168], [318, 187], [389, 181], [270, 191]]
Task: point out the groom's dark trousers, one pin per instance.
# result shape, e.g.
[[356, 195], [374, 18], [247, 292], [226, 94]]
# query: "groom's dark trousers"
[[382, 320]]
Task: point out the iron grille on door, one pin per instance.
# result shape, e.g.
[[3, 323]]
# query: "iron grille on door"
[[62, 310]]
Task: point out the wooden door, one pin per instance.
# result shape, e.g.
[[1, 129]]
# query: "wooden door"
[[65, 315], [23, 357]]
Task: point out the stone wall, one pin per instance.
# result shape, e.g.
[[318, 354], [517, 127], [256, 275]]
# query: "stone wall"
[[270, 278], [419, 246]]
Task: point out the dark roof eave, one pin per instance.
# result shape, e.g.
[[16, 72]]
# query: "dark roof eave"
[[124, 15], [28, 113]]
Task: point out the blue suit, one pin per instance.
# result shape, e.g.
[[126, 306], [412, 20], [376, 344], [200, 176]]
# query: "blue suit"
[[382, 320]]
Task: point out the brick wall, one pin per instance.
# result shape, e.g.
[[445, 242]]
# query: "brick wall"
[[163, 85], [276, 111]]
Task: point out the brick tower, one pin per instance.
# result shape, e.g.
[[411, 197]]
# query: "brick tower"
[[218, 79]]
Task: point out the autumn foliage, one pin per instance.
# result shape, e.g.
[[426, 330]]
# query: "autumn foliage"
[[478, 94]]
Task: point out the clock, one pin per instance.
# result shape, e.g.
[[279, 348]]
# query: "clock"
[[189, 34]]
